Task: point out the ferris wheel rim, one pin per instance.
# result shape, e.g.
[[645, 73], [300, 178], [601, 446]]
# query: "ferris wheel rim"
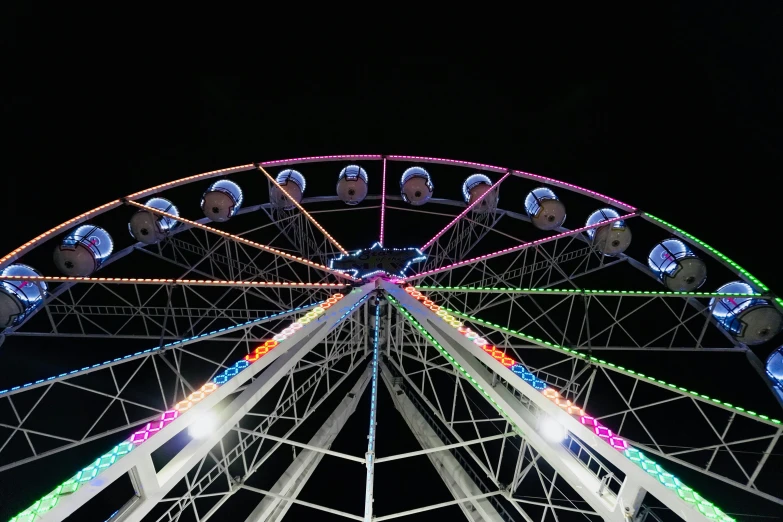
[[659, 222]]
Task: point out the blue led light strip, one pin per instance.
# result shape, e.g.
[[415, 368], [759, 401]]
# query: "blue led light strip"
[[374, 396], [370, 455], [87, 369]]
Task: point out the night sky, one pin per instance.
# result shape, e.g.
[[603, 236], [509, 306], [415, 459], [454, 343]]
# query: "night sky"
[[687, 127]]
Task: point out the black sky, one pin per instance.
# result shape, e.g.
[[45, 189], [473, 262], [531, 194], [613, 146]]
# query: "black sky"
[[688, 126]]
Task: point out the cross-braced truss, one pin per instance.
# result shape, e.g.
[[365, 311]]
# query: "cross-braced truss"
[[209, 297]]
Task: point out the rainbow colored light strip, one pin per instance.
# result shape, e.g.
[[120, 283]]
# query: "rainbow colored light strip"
[[686, 493], [86, 474], [462, 214], [521, 246]]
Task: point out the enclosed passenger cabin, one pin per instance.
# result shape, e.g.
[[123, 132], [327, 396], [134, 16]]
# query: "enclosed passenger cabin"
[[151, 228], [676, 266], [546, 212], [775, 367], [83, 251], [416, 186], [17, 296], [750, 320], [293, 183], [474, 187], [611, 239], [222, 200], [352, 185]]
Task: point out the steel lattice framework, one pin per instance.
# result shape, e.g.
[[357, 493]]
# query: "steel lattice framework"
[[484, 346]]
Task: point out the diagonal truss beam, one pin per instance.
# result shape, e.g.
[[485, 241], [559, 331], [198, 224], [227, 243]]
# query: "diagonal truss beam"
[[517, 248], [277, 363], [465, 212], [315, 223], [479, 366], [242, 240], [173, 282], [294, 478]]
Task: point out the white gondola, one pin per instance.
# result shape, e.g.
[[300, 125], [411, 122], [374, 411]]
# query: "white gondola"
[[416, 186], [293, 183], [611, 239], [775, 367], [545, 210], [83, 251], [222, 200], [474, 187], [150, 228], [750, 320], [19, 297], [676, 266], [352, 185]]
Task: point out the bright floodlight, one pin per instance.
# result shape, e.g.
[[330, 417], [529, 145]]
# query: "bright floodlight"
[[551, 430], [204, 425]]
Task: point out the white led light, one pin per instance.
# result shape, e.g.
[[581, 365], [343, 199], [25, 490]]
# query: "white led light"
[[551, 430], [203, 426]]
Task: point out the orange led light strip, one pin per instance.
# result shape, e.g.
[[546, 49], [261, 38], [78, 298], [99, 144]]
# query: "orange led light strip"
[[156, 281], [113, 204], [243, 240], [331, 239]]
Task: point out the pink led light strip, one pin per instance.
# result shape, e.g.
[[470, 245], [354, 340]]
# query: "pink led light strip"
[[14, 254], [464, 212], [303, 211], [516, 248], [316, 159], [183, 282], [555, 182], [383, 200], [521, 173], [243, 240]]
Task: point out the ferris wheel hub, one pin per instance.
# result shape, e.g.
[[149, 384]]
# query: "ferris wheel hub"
[[377, 262]]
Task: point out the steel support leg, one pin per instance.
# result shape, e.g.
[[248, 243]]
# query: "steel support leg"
[[293, 480], [456, 479]]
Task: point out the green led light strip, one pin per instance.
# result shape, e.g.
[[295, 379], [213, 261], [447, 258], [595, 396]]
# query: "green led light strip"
[[454, 363], [573, 291], [685, 493], [620, 369]]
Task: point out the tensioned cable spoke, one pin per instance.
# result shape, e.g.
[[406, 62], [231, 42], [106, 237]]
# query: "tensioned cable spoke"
[[234, 237], [383, 201], [517, 248], [317, 225], [176, 282], [572, 291], [462, 214], [620, 369]]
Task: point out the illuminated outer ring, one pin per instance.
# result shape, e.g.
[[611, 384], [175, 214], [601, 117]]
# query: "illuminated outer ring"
[[688, 238]]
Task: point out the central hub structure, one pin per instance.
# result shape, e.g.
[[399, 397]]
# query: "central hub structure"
[[377, 261]]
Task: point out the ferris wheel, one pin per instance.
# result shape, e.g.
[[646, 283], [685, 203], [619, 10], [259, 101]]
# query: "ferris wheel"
[[543, 348]]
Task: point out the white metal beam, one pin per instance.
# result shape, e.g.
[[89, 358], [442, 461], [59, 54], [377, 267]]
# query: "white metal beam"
[[290, 484], [475, 361], [277, 363], [457, 481]]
